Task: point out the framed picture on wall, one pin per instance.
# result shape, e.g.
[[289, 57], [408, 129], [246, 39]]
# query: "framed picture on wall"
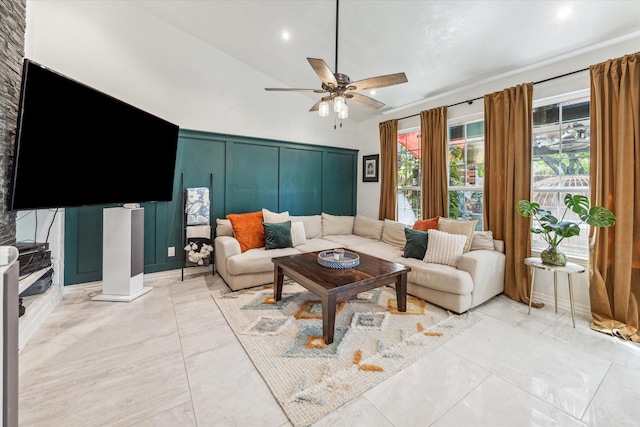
[[370, 168]]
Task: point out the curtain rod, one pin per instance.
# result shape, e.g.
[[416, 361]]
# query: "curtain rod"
[[470, 101]]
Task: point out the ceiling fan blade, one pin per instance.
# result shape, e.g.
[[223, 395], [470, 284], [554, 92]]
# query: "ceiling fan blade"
[[323, 71], [286, 89], [378, 82], [364, 100], [316, 106]]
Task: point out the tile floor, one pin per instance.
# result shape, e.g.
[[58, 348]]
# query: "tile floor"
[[169, 359]]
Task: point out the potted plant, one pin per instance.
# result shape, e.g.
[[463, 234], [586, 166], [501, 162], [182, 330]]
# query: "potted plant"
[[554, 231]]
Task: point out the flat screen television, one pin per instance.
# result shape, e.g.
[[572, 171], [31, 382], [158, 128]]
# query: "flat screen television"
[[77, 146]]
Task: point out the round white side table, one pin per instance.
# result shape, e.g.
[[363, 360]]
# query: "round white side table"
[[570, 268]]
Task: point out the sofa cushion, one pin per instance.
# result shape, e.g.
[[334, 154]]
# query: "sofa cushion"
[[257, 260], [223, 227], [482, 240], [319, 244], [379, 249], [457, 226], [416, 245], [371, 228], [273, 217], [349, 240], [312, 225], [426, 224], [437, 276], [248, 229], [336, 224], [297, 234], [277, 235], [444, 248], [393, 233]]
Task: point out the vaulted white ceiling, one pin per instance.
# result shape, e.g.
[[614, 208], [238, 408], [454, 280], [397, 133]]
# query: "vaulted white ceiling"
[[439, 44]]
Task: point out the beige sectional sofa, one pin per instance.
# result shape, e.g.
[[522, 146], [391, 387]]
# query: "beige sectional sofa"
[[470, 279]]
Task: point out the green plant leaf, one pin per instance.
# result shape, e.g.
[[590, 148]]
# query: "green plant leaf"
[[599, 216], [568, 229], [546, 216], [577, 203], [527, 208]]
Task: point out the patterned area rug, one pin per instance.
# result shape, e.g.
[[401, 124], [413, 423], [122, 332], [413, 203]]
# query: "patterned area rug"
[[372, 341]]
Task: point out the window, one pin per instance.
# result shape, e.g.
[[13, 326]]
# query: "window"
[[409, 181], [561, 164], [466, 170]]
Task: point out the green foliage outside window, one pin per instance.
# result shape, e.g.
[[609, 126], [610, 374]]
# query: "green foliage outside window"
[[409, 176], [456, 198]]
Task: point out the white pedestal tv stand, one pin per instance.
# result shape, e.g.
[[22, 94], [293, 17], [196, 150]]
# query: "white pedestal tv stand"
[[122, 254]]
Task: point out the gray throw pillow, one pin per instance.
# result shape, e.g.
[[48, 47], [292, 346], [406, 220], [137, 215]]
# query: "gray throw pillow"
[[416, 245], [277, 235]]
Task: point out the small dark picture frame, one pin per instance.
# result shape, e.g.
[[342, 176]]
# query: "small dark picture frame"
[[370, 168]]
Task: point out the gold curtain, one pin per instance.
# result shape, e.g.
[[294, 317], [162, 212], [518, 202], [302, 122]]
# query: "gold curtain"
[[614, 252], [507, 139], [433, 148], [388, 167]]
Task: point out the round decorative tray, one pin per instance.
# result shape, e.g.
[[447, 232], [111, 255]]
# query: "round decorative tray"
[[338, 259]]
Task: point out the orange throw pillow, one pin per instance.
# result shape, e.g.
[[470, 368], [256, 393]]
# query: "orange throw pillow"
[[426, 224], [248, 229]]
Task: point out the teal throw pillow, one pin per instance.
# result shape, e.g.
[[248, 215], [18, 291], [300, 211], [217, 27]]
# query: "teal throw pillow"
[[416, 245], [277, 235]]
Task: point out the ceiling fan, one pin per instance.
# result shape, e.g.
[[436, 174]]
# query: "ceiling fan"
[[339, 87]]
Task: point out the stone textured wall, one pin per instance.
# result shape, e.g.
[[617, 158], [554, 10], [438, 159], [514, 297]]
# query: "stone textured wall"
[[12, 30]]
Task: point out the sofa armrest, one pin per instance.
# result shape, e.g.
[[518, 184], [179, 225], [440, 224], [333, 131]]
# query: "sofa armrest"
[[224, 247], [486, 268], [227, 246]]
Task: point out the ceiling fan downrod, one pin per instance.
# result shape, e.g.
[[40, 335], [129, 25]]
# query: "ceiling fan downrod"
[[337, 15]]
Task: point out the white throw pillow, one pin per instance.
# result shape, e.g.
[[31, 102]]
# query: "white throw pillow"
[[444, 248], [223, 227], [458, 226], [371, 228], [482, 240], [336, 224], [273, 217], [312, 225], [298, 236], [393, 233]]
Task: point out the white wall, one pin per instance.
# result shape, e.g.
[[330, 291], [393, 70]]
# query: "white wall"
[[121, 50]]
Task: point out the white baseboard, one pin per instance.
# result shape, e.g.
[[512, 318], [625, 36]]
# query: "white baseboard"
[[563, 304]]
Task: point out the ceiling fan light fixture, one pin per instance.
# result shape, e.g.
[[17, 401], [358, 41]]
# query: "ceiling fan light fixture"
[[323, 109], [338, 103], [344, 112]]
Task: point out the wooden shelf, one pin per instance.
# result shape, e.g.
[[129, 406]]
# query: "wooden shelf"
[[30, 278], [39, 306]]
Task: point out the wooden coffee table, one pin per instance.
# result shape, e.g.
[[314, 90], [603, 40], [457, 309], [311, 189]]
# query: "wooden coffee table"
[[332, 284]]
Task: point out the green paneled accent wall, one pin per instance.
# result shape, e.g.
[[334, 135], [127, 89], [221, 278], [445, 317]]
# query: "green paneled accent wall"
[[252, 177], [339, 184], [300, 181], [248, 174]]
